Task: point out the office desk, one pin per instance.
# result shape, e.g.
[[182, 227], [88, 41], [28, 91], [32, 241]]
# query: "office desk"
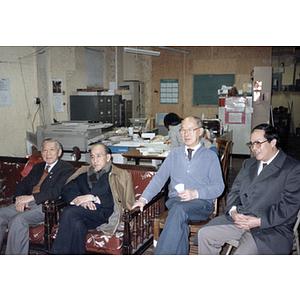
[[137, 155]]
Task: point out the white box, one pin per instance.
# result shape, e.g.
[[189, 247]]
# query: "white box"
[[156, 162], [118, 158], [222, 92], [148, 135]]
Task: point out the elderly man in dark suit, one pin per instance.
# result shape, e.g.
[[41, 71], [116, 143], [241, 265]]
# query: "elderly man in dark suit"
[[263, 203], [44, 182], [97, 196]]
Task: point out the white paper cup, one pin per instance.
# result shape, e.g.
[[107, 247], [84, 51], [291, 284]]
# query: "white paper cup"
[[179, 187]]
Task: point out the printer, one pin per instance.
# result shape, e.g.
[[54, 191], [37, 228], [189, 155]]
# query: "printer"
[[71, 134]]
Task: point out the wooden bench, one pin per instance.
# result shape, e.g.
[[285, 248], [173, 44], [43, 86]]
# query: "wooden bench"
[[134, 237]]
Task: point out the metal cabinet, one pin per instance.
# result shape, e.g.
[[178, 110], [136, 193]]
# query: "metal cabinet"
[[105, 109]]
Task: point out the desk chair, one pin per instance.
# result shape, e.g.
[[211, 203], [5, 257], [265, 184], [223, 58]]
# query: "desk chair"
[[159, 223], [296, 245]]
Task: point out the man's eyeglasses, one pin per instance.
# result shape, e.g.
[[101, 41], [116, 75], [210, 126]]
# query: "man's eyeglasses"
[[189, 130], [256, 144]]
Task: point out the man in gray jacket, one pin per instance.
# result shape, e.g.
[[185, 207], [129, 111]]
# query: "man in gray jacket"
[[263, 203], [198, 170]]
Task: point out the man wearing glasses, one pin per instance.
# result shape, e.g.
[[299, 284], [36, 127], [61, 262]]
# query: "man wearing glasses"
[[195, 183], [263, 203]]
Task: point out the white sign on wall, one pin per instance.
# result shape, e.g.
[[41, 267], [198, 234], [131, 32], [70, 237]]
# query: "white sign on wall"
[[57, 95], [5, 96]]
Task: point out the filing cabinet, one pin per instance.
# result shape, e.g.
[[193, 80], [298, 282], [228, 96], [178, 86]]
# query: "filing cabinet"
[[105, 109]]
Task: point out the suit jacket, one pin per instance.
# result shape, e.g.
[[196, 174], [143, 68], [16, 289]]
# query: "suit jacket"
[[122, 190], [273, 196], [51, 186]]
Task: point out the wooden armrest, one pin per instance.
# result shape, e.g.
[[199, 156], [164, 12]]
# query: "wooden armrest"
[[57, 202], [51, 209], [138, 238], [57, 205], [53, 205], [130, 214]]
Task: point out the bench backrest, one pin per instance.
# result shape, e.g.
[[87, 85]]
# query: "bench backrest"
[[13, 169], [140, 180], [10, 174]]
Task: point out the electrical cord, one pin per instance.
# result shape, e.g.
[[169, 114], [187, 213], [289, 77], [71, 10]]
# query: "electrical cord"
[[32, 125]]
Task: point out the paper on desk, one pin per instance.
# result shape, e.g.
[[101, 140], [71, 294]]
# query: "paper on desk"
[[165, 153], [153, 151], [133, 144], [158, 146], [149, 151], [141, 143]]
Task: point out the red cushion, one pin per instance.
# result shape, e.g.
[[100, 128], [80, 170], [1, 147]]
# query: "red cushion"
[[32, 160], [97, 241], [36, 234], [140, 180]]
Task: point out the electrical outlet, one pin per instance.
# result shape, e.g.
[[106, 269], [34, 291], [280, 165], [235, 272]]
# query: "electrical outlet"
[[37, 101]]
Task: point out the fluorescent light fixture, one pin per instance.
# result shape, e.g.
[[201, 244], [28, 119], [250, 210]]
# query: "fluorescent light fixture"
[[141, 51], [173, 49]]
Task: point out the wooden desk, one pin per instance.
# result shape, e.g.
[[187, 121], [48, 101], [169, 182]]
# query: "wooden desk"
[[134, 153]]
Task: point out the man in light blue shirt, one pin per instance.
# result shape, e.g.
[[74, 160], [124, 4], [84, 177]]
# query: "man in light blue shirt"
[[201, 175]]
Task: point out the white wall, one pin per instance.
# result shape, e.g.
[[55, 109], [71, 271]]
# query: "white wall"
[[39, 66], [19, 66], [139, 67]]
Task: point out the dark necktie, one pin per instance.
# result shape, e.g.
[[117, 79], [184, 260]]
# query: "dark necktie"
[[36, 188], [263, 166], [190, 153]]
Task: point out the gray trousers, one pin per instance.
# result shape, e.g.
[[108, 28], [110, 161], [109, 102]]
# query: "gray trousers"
[[212, 238], [18, 225]]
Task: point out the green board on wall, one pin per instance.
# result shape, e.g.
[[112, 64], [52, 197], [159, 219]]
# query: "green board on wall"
[[205, 87]]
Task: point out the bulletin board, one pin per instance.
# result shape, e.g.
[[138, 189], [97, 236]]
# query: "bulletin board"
[[169, 91], [205, 87]]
